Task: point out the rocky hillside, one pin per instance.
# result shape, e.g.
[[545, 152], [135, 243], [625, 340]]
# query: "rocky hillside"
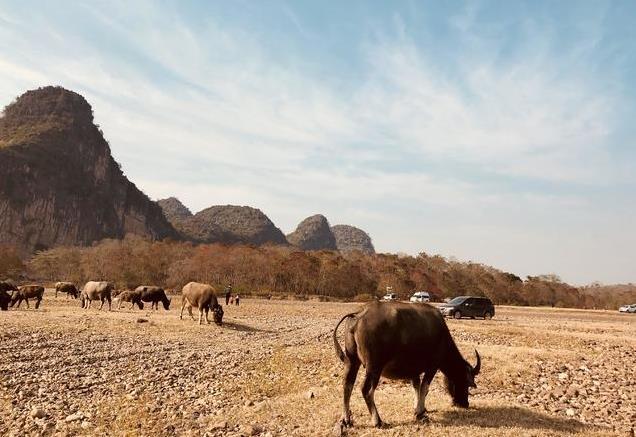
[[59, 184], [174, 210], [313, 233], [350, 238], [228, 224]]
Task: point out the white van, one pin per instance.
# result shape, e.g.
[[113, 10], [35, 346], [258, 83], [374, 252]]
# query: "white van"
[[420, 296]]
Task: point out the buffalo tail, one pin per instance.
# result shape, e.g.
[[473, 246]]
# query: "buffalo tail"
[[339, 351]]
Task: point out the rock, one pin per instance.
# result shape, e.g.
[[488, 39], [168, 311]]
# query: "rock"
[[313, 233], [310, 395], [140, 320], [570, 412], [52, 124], [37, 413], [349, 238], [253, 429], [86, 424], [219, 425], [74, 417]]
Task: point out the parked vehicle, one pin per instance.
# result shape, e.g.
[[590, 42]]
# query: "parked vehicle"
[[390, 296], [628, 308], [420, 296], [468, 306]]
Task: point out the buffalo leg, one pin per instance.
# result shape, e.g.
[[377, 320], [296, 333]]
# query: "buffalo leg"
[[207, 310], [422, 392], [102, 305], [369, 385], [26, 299], [200, 315], [352, 365], [37, 303]]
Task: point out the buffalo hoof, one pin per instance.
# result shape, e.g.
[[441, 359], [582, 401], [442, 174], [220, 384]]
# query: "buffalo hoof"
[[346, 423], [422, 418], [381, 425]]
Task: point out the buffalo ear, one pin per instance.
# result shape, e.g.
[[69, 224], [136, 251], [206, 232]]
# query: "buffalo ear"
[[477, 367]]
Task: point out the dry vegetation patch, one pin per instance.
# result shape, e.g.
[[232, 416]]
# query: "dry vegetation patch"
[[271, 370]]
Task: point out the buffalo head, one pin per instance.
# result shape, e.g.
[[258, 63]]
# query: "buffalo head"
[[464, 379], [217, 313]]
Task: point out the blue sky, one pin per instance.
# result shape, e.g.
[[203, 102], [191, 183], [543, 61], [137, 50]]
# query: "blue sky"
[[497, 132]]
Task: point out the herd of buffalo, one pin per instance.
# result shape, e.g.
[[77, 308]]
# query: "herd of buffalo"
[[194, 294], [391, 339]]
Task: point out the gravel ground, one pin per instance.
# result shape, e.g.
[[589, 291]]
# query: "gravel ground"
[[271, 370]]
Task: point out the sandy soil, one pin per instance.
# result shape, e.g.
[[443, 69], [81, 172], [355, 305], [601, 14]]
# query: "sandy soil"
[[271, 370]]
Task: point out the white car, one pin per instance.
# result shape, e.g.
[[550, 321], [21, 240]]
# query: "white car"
[[420, 296], [628, 308], [390, 296]]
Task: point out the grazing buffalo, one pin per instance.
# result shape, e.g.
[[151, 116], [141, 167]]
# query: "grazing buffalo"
[[27, 292], [5, 298], [154, 294], [134, 297], [66, 287], [401, 341], [201, 296], [96, 290]]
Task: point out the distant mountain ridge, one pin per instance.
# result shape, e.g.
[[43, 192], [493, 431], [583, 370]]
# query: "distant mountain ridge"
[[313, 233], [59, 184], [228, 224]]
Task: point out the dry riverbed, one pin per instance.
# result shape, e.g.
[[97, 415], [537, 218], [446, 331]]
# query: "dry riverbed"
[[271, 370]]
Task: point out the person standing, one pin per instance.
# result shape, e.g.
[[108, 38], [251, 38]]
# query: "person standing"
[[237, 299], [228, 294]]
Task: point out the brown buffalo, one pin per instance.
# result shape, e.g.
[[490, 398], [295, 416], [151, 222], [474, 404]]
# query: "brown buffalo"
[[201, 296], [27, 292], [401, 341], [66, 287], [134, 297], [96, 290], [154, 294]]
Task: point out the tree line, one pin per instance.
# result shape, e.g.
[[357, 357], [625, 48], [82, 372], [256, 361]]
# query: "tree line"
[[285, 271]]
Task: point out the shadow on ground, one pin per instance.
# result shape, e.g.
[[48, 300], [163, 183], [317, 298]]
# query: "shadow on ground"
[[243, 328], [495, 417]]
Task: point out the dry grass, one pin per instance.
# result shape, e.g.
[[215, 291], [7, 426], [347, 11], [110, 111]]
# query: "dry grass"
[[173, 377]]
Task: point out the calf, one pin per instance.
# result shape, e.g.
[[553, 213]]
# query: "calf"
[[131, 296]]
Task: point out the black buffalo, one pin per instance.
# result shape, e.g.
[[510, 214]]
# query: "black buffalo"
[[5, 298], [154, 294], [401, 341]]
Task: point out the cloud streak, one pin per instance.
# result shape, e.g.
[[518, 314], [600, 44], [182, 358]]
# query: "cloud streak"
[[208, 112]]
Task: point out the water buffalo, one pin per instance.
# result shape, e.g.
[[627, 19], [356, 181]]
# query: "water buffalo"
[[401, 341], [96, 290], [154, 294], [27, 292], [134, 297], [66, 287], [5, 298], [201, 296]]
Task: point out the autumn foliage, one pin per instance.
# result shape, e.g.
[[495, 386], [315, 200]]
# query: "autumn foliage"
[[284, 271]]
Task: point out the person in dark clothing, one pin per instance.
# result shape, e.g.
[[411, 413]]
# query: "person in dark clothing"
[[228, 294], [237, 299]]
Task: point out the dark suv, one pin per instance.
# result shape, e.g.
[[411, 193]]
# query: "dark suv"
[[468, 306]]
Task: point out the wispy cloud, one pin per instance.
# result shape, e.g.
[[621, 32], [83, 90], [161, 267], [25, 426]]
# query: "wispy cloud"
[[206, 111]]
